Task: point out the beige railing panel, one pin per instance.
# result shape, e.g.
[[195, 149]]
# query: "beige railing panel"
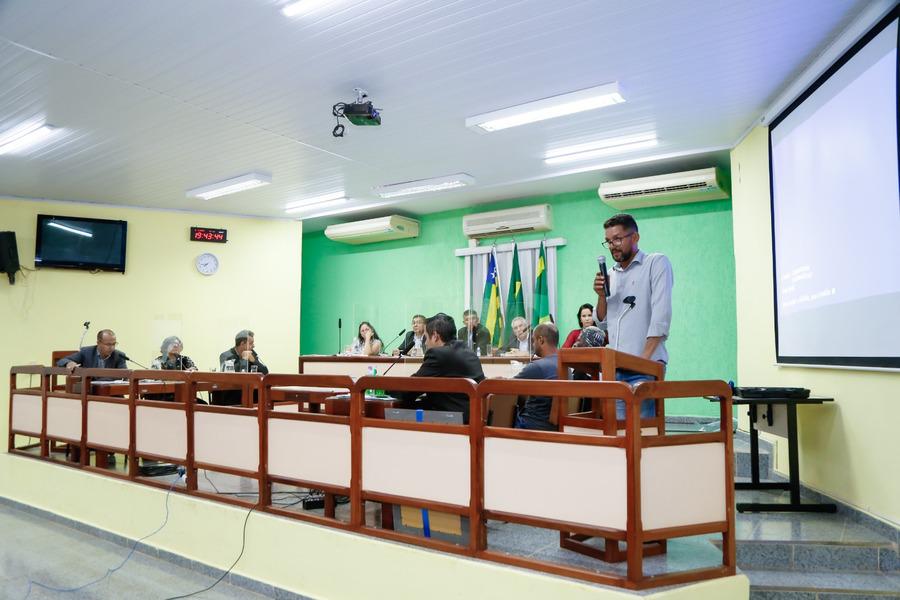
[[63, 418], [565, 482], [416, 464], [26, 413], [310, 451], [161, 431], [108, 424], [227, 440], [682, 485]]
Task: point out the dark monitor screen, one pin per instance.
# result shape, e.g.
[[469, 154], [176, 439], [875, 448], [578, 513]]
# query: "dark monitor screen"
[[80, 243]]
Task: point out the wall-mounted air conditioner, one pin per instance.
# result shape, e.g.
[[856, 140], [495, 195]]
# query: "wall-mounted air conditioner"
[[381, 229], [507, 222], [660, 190]]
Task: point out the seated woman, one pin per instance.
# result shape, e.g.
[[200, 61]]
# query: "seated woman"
[[171, 358], [585, 319], [367, 342]]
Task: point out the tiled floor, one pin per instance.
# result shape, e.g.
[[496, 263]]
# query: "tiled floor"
[[36, 552]]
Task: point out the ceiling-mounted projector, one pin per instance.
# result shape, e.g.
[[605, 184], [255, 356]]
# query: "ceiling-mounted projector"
[[361, 112]]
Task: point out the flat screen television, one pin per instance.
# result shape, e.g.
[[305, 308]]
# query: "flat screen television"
[[80, 243]]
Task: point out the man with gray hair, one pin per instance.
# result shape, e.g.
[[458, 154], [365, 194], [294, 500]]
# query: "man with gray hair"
[[243, 357]]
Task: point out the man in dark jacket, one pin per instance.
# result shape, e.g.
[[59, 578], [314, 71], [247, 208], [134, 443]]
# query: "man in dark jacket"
[[444, 357], [474, 335], [102, 356]]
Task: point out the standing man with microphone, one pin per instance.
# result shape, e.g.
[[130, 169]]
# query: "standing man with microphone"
[[634, 301]]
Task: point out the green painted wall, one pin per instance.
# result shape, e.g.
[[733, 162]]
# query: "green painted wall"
[[386, 283]]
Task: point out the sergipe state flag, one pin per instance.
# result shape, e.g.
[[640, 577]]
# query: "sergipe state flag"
[[515, 302], [491, 317], [541, 311]]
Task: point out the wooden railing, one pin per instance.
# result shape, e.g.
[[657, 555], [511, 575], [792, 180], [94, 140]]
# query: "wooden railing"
[[627, 488]]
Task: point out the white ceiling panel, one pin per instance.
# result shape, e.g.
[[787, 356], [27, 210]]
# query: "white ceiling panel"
[[153, 98]]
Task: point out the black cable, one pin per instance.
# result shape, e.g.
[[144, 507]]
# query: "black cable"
[[225, 574], [32, 583]]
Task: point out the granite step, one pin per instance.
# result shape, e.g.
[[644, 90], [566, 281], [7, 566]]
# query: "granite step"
[[814, 585]]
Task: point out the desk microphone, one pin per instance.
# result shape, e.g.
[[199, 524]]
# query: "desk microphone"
[[339, 336], [402, 331], [125, 356], [629, 300], [601, 262]]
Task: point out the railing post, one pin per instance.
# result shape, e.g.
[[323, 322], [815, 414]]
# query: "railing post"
[[634, 527], [357, 405]]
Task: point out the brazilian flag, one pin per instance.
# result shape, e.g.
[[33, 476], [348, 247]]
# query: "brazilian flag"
[[491, 317], [515, 302], [541, 311]]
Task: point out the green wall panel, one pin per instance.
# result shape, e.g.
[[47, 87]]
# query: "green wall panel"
[[386, 283]]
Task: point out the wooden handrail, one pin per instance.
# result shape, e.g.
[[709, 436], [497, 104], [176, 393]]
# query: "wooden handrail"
[[631, 443]]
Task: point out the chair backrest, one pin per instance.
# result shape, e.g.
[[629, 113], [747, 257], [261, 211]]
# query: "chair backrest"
[[55, 356]]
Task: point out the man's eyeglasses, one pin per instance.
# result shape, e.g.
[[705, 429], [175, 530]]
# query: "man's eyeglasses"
[[617, 241]]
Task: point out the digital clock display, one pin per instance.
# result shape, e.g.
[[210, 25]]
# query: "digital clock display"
[[208, 234]]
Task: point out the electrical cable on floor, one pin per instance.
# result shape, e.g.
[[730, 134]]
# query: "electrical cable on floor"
[[32, 583], [225, 574]]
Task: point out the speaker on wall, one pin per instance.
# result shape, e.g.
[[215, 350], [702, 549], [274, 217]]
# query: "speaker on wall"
[[9, 255]]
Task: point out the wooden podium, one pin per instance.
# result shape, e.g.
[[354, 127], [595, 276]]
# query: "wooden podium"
[[601, 364]]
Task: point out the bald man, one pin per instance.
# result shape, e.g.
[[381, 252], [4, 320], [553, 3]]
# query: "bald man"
[[535, 414]]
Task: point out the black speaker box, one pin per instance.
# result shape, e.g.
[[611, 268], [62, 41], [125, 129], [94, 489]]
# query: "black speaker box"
[[9, 255]]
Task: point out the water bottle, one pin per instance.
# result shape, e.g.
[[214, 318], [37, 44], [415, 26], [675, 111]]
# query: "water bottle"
[[371, 372], [478, 351]]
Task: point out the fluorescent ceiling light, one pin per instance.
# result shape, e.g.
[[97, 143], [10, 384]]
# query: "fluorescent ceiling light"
[[230, 186], [617, 145], [422, 186], [70, 229], [295, 8], [316, 203], [348, 209], [25, 136], [548, 108]]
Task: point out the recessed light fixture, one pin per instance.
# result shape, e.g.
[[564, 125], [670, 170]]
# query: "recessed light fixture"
[[347, 209], [70, 229], [25, 136], [422, 186], [548, 108], [231, 186], [605, 147], [316, 203]]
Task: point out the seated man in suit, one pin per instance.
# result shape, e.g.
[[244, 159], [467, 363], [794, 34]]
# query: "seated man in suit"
[[520, 341], [535, 414], [102, 356], [414, 342], [243, 355], [444, 357], [474, 335]]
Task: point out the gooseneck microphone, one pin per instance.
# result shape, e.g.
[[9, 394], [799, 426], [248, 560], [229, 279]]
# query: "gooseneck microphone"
[[339, 336], [125, 356], [86, 325], [629, 300], [402, 331], [601, 263]]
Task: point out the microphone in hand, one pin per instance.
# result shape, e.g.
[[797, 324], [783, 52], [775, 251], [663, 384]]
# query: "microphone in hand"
[[601, 264]]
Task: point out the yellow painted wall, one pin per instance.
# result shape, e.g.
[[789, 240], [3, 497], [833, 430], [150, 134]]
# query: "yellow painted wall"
[[160, 294], [849, 450]]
